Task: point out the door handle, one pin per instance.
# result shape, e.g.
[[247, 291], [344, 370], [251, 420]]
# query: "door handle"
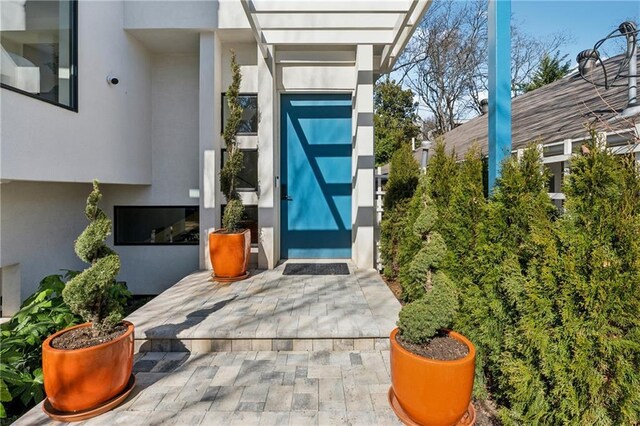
[[283, 193]]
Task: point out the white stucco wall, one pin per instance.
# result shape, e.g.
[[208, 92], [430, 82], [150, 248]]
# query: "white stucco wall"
[[40, 222], [184, 14], [110, 136], [174, 154]]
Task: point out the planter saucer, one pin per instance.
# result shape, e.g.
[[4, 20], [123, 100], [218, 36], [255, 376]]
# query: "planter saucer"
[[469, 418], [230, 279], [77, 416]]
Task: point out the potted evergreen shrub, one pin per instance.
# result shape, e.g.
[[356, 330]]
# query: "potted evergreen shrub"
[[432, 368], [87, 368], [230, 246]]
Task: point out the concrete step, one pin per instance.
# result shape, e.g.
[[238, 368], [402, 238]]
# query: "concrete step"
[[269, 312]]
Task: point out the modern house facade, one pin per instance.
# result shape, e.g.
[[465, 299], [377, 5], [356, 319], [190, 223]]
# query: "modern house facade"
[[132, 93]]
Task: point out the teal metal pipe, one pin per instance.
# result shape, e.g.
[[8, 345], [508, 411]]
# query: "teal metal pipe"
[[499, 86]]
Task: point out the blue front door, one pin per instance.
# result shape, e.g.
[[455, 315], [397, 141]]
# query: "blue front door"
[[316, 176]]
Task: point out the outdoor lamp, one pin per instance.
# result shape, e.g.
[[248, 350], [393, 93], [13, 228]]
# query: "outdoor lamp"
[[425, 145]]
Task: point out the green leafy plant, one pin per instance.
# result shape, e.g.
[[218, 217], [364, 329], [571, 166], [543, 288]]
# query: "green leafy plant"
[[89, 294], [234, 211], [434, 296], [41, 315]]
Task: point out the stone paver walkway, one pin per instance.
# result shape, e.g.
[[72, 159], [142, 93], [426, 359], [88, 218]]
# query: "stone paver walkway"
[[269, 311], [253, 388], [270, 350]]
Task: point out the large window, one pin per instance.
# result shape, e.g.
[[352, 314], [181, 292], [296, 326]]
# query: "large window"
[[157, 225], [249, 122], [248, 177], [38, 41]]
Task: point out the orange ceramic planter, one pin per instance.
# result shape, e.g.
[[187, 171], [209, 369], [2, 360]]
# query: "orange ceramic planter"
[[230, 253], [81, 379], [432, 392]]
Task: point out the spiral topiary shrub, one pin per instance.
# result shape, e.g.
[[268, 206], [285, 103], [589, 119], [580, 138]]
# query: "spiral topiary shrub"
[[88, 293], [435, 302], [234, 211]]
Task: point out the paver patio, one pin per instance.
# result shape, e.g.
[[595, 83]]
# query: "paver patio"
[[269, 311], [270, 350]]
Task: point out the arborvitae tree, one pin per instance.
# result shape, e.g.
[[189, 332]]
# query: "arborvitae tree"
[[88, 293], [442, 172], [403, 177], [597, 352], [503, 251], [410, 243], [394, 119], [402, 183], [435, 298], [466, 211], [437, 185], [234, 211]]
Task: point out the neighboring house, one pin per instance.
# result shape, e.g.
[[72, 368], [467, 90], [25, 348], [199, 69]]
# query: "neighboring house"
[[132, 93], [558, 117]]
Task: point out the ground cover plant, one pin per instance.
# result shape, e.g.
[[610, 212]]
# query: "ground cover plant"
[[42, 314]]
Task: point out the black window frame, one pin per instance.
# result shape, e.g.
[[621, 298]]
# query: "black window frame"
[[127, 206], [73, 76], [222, 96], [223, 150]]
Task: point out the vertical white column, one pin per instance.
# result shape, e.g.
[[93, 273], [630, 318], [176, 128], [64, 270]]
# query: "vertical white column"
[[363, 212], [268, 159], [210, 139]]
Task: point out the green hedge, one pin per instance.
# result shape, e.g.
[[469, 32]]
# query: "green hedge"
[[550, 299]]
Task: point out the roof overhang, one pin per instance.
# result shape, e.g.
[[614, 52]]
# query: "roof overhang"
[[387, 24]]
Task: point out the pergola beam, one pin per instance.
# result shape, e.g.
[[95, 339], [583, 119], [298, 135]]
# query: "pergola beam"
[[401, 24], [344, 21], [326, 37], [388, 24], [412, 18], [352, 6], [249, 10]]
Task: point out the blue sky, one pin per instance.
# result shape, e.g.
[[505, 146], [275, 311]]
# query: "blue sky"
[[585, 22]]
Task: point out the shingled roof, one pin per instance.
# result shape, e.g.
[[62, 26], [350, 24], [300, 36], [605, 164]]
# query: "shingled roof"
[[561, 110]]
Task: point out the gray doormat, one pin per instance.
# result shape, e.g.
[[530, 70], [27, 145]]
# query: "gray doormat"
[[316, 269]]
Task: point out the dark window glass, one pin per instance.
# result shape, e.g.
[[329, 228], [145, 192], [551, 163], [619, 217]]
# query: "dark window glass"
[[249, 122], [162, 225], [38, 41], [248, 177], [249, 221]]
